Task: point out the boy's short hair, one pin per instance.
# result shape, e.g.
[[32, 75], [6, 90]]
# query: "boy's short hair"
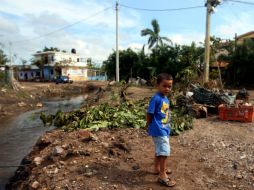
[[163, 76]]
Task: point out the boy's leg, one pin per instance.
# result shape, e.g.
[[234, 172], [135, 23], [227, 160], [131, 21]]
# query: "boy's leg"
[[161, 147], [163, 171], [163, 178], [156, 164]]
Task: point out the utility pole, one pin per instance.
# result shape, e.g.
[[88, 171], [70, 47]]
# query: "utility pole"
[[117, 51], [207, 41], [9, 72], [210, 7]]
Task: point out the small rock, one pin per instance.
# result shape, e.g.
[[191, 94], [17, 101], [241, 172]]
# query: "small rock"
[[38, 160], [58, 150], [115, 186], [122, 146], [4, 90], [39, 105], [65, 146], [84, 153], [112, 83], [62, 162], [94, 137], [56, 171], [239, 175], [21, 104], [136, 167], [35, 185], [84, 133], [235, 165], [243, 156], [105, 145], [88, 174]]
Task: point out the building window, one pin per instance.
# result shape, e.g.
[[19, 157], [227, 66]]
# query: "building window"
[[51, 72], [77, 59], [52, 58]]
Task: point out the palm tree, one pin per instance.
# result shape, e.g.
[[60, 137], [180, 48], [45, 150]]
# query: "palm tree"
[[154, 40]]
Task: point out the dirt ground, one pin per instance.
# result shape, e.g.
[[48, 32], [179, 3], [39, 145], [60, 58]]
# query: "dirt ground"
[[215, 155]]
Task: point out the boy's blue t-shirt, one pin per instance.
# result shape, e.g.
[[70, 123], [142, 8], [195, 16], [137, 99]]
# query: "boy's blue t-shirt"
[[159, 110]]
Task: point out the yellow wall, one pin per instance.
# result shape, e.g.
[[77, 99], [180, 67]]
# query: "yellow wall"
[[241, 39]]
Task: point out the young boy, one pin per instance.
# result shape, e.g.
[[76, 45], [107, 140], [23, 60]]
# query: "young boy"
[[158, 121]]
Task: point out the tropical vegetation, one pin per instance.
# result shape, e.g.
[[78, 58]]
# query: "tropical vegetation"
[[184, 62]]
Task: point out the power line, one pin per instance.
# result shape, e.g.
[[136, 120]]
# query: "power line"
[[242, 2], [67, 26], [162, 10]]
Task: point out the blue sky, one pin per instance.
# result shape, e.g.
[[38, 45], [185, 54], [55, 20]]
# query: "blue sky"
[[95, 37]]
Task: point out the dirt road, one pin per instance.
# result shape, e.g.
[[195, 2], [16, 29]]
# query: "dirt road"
[[214, 155]]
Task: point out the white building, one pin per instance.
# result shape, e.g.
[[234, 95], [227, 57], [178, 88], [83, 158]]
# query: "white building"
[[62, 63]]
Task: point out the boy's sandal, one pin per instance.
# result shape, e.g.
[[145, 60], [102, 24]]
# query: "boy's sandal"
[[167, 182], [168, 171]]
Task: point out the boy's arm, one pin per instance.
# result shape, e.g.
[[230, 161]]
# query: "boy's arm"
[[148, 119], [150, 111]]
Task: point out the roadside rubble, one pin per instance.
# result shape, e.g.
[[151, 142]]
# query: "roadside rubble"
[[200, 102]]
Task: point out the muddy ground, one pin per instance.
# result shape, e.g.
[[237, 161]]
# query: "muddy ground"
[[30, 95], [215, 155]]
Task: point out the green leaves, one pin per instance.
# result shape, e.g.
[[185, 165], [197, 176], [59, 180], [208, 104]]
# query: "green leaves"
[[102, 116], [107, 116], [180, 122]]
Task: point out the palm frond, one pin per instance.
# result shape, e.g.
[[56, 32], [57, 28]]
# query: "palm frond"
[[146, 32], [156, 26], [167, 40]]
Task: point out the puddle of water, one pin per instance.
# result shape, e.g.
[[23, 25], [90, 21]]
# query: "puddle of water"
[[19, 134]]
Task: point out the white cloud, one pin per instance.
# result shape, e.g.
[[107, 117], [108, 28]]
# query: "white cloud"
[[232, 24], [186, 38], [94, 37], [7, 26], [136, 46]]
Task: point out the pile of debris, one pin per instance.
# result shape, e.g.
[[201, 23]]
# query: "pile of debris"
[[199, 100], [213, 98]]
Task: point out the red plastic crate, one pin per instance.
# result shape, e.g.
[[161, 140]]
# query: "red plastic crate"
[[243, 114]]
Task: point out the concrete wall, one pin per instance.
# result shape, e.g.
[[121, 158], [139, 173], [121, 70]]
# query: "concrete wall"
[[63, 58], [75, 73], [28, 75]]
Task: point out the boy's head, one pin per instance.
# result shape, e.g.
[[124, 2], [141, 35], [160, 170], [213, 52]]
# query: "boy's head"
[[164, 83]]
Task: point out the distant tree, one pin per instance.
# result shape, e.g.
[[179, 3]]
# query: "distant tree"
[[241, 69], [89, 63], [51, 49], [128, 61], [154, 39], [3, 58], [23, 61]]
